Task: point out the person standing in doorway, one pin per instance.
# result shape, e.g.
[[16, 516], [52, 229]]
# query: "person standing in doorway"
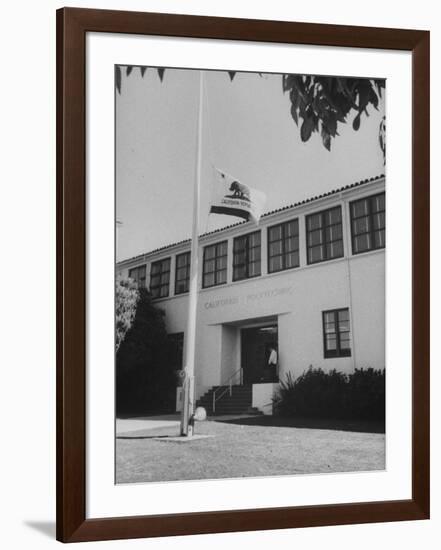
[[273, 362]]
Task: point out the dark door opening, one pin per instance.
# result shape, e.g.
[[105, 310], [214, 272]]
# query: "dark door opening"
[[256, 346]]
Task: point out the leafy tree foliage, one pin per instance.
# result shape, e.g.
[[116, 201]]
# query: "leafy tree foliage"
[[145, 379], [126, 298], [319, 103]]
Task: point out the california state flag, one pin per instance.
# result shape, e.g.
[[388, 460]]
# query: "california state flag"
[[234, 198]]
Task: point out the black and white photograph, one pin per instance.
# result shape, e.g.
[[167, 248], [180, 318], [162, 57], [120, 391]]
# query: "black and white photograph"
[[250, 243]]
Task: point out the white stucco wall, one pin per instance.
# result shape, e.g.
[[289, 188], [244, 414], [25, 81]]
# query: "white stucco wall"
[[294, 298], [262, 397]]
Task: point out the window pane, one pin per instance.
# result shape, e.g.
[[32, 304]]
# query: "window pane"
[[331, 342], [164, 291], [275, 233], [276, 263], [254, 269], [378, 203], [334, 250], [275, 248], [314, 221], [222, 249], [292, 259], [292, 243], [333, 216], [345, 343], [209, 279], [380, 239], [379, 221], [360, 208], [292, 228], [362, 243], [254, 254], [210, 252], [315, 237], [255, 239], [361, 225], [221, 263], [239, 258], [221, 277], [329, 318], [209, 266], [239, 244], [333, 233], [180, 273], [343, 316], [239, 272], [180, 287], [316, 254]]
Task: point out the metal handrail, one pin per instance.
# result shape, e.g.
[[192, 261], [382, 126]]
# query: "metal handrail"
[[227, 386]]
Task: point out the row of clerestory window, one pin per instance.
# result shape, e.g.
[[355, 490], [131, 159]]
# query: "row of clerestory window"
[[324, 241]]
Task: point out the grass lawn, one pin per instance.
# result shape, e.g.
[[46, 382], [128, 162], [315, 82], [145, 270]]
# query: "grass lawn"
[[242, 448]]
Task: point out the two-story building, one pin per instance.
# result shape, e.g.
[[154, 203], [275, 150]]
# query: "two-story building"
[[309, 281]]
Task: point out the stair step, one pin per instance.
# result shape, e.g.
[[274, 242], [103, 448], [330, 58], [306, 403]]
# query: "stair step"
[[238, 403]]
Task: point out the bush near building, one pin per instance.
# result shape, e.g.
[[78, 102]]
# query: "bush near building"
[[145, 380], [126, 298], [319, 394]]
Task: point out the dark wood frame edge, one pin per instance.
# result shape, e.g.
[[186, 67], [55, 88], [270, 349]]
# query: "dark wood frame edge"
[[72, 25]]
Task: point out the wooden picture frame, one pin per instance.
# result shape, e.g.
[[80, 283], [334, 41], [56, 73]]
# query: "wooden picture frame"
[[72, 26]]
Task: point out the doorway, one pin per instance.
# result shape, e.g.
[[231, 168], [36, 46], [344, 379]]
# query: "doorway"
[[256, 346]]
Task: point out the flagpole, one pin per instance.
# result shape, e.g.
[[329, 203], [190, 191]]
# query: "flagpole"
[[190, 348]]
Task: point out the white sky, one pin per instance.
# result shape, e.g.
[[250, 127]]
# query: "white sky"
[[247, 131]]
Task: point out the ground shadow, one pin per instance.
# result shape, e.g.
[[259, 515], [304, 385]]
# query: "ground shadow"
[[149, 416], [45, 527], [150, 433], [363, 426]]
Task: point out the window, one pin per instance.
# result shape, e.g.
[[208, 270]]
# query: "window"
[[182, 278], [324, 235], [368, 223], [246, 256], [215, 264], [138, 275], [336, 333], [283, 246], [160, 278]]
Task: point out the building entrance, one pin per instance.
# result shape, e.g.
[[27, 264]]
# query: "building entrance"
[[256, 346]]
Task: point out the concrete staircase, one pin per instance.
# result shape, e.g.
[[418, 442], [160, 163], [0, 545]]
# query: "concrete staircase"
[[240, 401]]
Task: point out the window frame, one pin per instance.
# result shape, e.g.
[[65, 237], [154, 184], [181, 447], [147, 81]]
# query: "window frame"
[[339, 351], [370, 214], [247, 251], [187, 267], [137, 268], [215, 258], [162, 272], [283, 239], [322, 229]]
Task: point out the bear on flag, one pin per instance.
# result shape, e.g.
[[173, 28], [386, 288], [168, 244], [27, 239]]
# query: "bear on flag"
[[234, 198]]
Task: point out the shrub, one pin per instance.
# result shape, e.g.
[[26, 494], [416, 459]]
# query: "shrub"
[[333, 394], [145, 380], [126, 298]]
